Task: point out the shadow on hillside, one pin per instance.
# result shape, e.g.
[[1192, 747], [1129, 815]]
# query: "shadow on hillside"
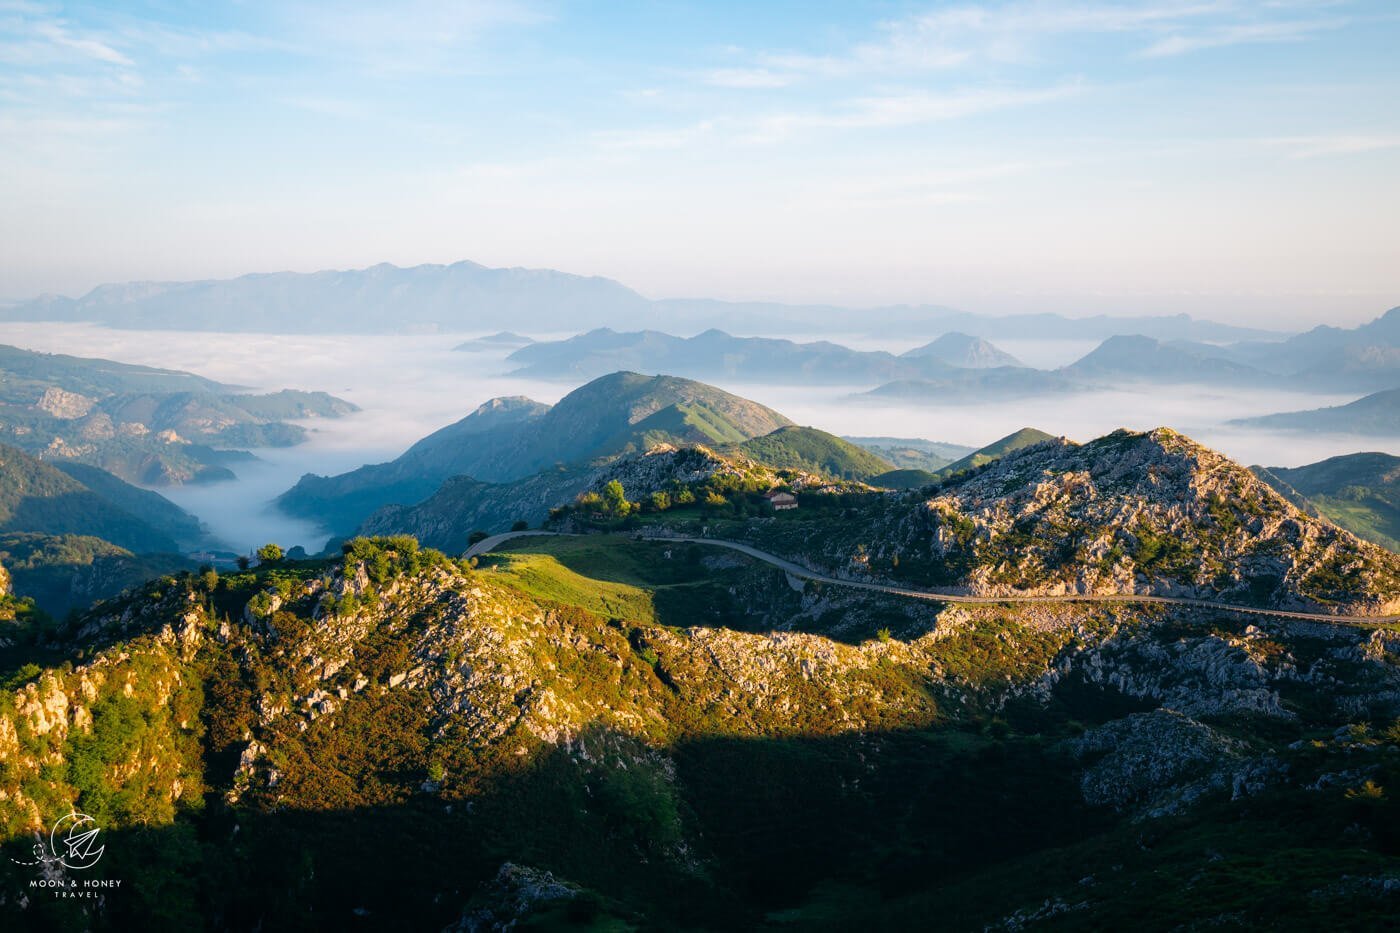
[[736, 829]]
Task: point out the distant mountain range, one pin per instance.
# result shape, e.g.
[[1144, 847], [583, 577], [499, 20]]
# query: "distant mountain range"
[[958, 366], [957, 349], [514, 459], [457, 297], [913, 453], [1376, 415]]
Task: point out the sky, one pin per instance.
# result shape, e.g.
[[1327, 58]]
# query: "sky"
[[1234, 160]]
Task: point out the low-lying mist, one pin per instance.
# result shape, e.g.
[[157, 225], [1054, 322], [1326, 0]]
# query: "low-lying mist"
[[410, 386]]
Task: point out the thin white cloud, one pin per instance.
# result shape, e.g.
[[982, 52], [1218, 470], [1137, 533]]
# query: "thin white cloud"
[[860, 113], [907, 109], [1312, 147], [91, 47], [748, 78], [45, 41], [951, 38], [328, 106], [1243, 34]]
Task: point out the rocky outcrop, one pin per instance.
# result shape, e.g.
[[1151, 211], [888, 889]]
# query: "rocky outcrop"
[[63, 404], [1147, 513]]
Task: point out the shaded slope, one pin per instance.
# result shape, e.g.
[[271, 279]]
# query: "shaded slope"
[[812, 451], [37, 497]]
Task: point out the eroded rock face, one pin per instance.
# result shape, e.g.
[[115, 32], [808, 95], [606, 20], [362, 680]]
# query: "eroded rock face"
[[61, 403]]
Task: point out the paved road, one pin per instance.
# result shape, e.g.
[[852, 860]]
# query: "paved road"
[[487, 545], [797, 570]]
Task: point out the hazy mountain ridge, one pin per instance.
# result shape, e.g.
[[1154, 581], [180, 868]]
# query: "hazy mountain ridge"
[[1144, 359], [452, 298], [914, 453], [421, 298], [1375, 415], [962, 350], [715, 354]]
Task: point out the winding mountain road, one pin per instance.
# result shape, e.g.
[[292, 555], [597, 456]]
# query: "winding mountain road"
[[797, 570]]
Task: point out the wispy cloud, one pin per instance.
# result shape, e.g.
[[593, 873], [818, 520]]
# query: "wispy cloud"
[[906, 109], [1312, 147], [421, 36], [1243, 34], [875, 111], [27, 39], [748, 78], [1019, 32]]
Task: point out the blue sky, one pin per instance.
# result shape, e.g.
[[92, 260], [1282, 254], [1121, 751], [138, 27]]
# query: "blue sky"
[[1239, 160]]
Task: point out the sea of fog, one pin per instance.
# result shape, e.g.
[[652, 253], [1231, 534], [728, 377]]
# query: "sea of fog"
[[409, 386]]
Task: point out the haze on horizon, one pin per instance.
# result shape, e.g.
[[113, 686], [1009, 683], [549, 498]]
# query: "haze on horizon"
[[1230, 160]]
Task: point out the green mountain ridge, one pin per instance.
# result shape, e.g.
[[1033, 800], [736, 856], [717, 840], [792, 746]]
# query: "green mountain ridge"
[[63, 573], [813, 451], [1359, 492], [1024, 437], [508, 440], [38, 497]]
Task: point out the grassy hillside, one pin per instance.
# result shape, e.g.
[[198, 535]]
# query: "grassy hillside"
[[153, 508], [1360, 492], [903, 479], [1025, 437], [813, 451], [37, 497]]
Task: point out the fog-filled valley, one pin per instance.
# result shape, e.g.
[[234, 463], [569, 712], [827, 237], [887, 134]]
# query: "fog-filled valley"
[[409, 386]]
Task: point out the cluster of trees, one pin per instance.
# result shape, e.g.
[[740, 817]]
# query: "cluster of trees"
[[731, 492]]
